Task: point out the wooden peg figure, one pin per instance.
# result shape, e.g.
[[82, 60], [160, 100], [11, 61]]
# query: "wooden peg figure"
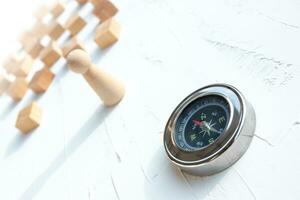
[[109, 89]]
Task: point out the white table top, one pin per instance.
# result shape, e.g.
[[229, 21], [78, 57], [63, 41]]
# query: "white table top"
[[167, 49]]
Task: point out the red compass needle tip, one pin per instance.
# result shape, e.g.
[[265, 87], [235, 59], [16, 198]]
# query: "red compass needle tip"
[[197, 122]]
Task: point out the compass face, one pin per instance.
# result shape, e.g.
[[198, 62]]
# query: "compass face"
[[201, 123]]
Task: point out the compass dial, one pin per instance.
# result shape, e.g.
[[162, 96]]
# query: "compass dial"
[[201, 123]]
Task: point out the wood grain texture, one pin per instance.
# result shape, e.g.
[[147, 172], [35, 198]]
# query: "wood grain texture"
[[84, 151]]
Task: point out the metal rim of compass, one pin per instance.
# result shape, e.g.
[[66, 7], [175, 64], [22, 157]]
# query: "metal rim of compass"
[[239, 109]]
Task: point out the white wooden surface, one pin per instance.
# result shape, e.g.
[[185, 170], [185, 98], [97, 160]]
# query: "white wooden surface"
[[167, 50]]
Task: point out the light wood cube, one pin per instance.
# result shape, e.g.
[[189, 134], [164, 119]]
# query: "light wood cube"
[[29, 45], [41, 12], [35, 49], [55, 30], [29, 118], [72, 45], [57, 9], [4, 84], [39, 29], [82, 1], [96, 2], [24, 67], [51, 54], [18, 88], [107, 33], [26, 39], [105, 9], [41, 80], [11, 63], [75, 24]]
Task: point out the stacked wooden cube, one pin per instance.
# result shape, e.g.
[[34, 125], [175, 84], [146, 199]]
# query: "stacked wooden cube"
[[20, 65]]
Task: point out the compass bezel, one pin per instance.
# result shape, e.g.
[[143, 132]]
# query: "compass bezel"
[[236, 115]]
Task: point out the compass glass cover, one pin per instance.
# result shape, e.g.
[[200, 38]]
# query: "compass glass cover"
[[201, 123]]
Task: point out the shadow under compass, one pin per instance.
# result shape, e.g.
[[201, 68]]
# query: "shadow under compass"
[[166, 181]]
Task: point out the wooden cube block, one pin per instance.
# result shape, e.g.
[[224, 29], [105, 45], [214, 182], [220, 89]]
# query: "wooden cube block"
[[96, 2], [24, 67], [55, 30], [51, 54], [72, 45], [25, 36], [33, 45], [18, 88], [39, 29], [35, 49], [30, 43], [105, 9], [82, 1], [75, 24], [29, 118], [107, 33], [26, 39], [11, 63], [41, 80], [41, 12], [57, 9], [4, 84]]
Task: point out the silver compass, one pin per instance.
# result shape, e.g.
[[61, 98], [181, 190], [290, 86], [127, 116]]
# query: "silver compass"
[[209, 130]]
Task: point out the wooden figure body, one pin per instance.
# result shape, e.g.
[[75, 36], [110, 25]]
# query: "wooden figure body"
[[109, 89]]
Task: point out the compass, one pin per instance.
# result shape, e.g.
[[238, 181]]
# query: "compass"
[[209, 130]]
